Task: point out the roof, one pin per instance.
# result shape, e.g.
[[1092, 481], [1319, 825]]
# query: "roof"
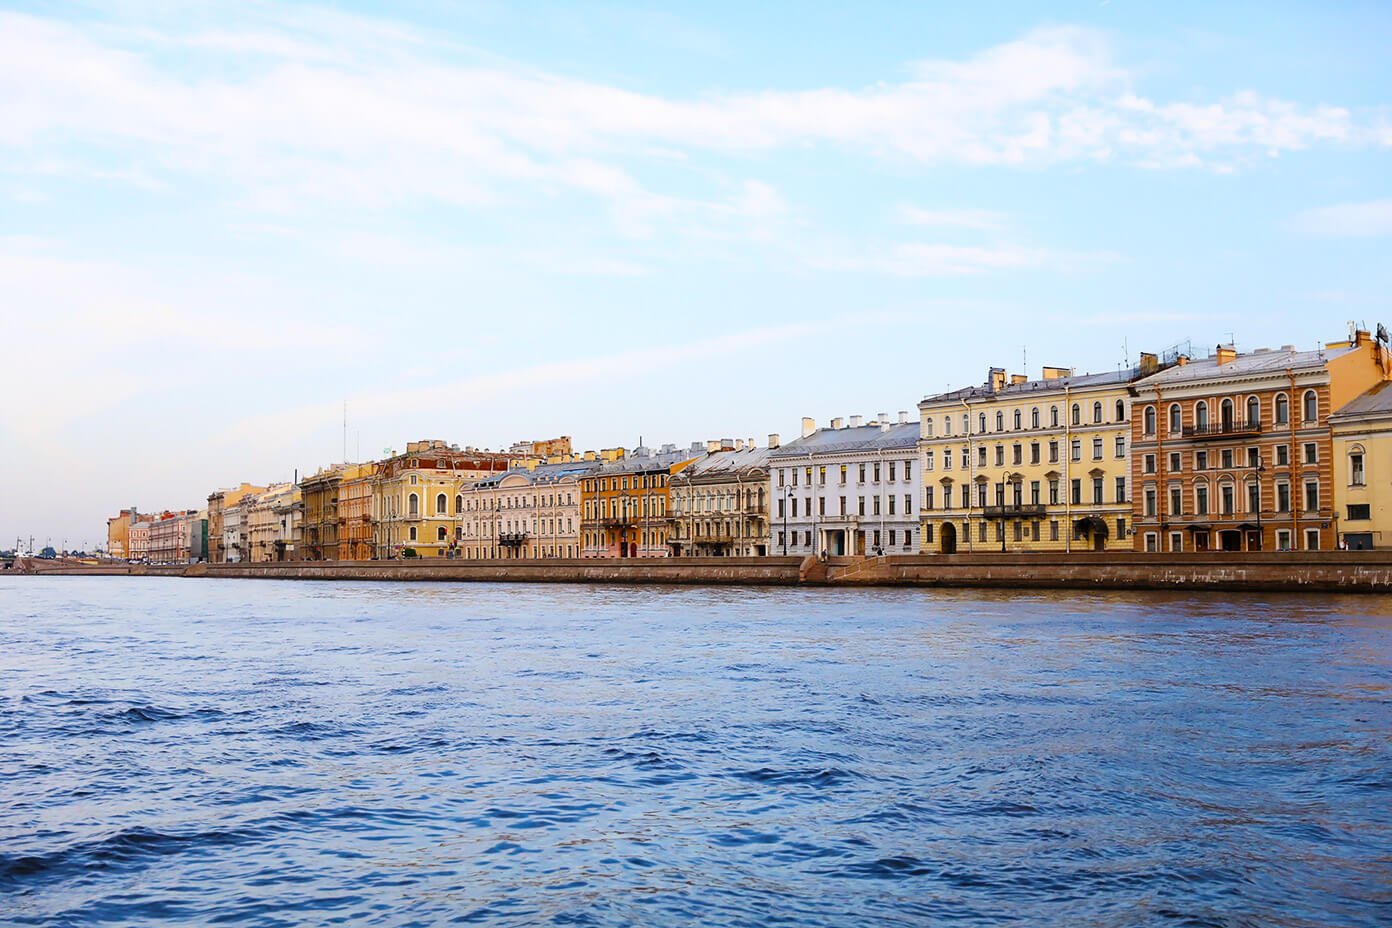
[[1376, 403], [723, 463], [638, 463], [850, 440], [1032, 387], [541, 474], [1261, 361]]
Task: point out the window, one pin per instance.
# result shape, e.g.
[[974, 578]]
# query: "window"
[[1201, 415], [928, 461], [1077, 414], [877, 471], [1000, 421], [1097, 449], [908, 470], [947, 456], [1121, 526], [413, 505], [1053, 417], [413, 533], [821, 505], [1148, 420], [1253, 496], [821, 475], [927, 497], [1201, 499], [1282, 413], [1311, 453], [1096, 413], [440, 504], [891, 471], [1034, 452], [1076, 491], [1120, 411], [928, 427], [1253, 412], [1312, 496], [843, 473], [1149, 499], [1075, 450], [1356, 467], [1225, 414], [908, 504], [1358, 512], [1152, 542], [1034, 418], [981, 455], [1017, 420], [1226, 457], [1200, 460], [876, 509], [781, 508], [860, 510], [1054, 452], [1309, 407], [1176, 500], [1053, 530], [1017, 454], [1283, 455], [1119, 447], [1000, 456], [1148, 464], [440, 533], [1283, 540], [1176, 419], [1034, 492], [1253, 457], [947, 463], [1097, 489], [1053, 492], [891, 506], [1226, 499], [1283, 497], [1312, 539], [1121, 489]]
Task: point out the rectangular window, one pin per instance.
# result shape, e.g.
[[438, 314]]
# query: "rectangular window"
[[1174, 462], [1053, 492], [947, 462], [1000, 455], [1283, 497], [1358, 512], [861, 510], [781, 475], [1053, 452], [1312, 496], [1000, 531], [843, 473], [843, 505], [1121, 489], [891, 477], [891, 507], [1283, 455], [1283, 539], [1150, 501], [1227, 458], [1201, 500], [927, 497], [1016, 454], [1097, 449], [1097, 490], [928, 461], [1075, 450], [821, 475], [1034, 452], [908, 504], [876, 509], [1034, 494], [1076, 491], [981, 532], [1176, 541], [892, 534], [928, 533], [1148, 464], [1152, 542], [1312, 539], [1121, 526], [877, 471], [1019, 530], [1034, 530], [1253, 457], [1310, 456], [794, 501], [781, 508], [1200, 460], [1120, 448], [1053, 530], [821, 505], [1356, 469], [980, 455]]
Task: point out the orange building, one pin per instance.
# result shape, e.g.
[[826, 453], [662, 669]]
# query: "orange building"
[[1235, 453], [624, 504], [355, 526]]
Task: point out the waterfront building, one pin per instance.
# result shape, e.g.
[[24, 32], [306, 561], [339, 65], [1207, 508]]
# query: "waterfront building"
[[118, 532], [273, 520], [416, 496], [218, 502], [1234, 452], [525, 512], [319, 525], [138, 539], [178, 537], [1362, 435], [720, 503], [1028, 465], [236, 542], [845, 489], [625, 502], [355, 533], [544, 451]]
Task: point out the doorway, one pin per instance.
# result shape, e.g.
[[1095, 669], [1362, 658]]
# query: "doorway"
[[948, 545]]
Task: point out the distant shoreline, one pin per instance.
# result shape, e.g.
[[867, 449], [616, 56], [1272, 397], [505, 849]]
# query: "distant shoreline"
[[1290, 571]]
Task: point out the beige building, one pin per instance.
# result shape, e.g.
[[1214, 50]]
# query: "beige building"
[[524, 513], [417, 496], [218, 502], [1028, 465], [1362, 466], [139, 540], [720, 503], [178, 537], [273, 522]]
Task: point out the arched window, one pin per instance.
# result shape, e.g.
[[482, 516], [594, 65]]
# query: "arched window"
[[928, 427], [1077, 414], [1253, 412], [1357, 474], [1034, 418], [1176, 418], [1148, 419], [1000, 421], [981, 422], [1310, 407], [1225, 414], [1120, 411], [1201, 414], [440, 533], [1282, 413], [1053, 417], [1097, 413], [413, 505], [1017, 420], [440, 505]]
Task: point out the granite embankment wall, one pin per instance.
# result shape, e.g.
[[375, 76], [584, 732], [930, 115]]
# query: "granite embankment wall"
[[1326, 571]]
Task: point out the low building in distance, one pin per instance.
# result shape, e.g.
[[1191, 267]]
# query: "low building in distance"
[[845, 489], [416, 496], [1235, 452], [625, 503], [720, 503], [218, 502]]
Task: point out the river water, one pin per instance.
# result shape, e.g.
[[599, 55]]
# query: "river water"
[[198, 752]]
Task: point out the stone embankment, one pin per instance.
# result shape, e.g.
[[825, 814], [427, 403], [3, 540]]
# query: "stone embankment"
[[1307, 571]]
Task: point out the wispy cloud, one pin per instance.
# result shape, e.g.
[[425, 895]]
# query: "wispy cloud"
[[1368, 219], [981, 220]]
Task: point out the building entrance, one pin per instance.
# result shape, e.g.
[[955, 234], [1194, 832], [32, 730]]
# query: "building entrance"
[[948, 544]]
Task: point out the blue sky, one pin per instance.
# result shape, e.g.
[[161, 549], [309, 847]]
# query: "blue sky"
[[486, 222]]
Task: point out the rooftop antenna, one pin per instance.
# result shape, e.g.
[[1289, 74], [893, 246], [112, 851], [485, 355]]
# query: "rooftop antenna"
[[1125, 353], [345, 431]]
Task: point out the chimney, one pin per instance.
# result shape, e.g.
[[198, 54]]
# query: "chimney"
[[1017, 379], [712, 445], [1226, 354], [903, 417], [1057, 373], [809, 425], [838, 422], [1181, 360], [996, 378], [773, 440], [739, 444], [855, 422], [883, 419], [727, 444], [1149, 363], [1362, 337]]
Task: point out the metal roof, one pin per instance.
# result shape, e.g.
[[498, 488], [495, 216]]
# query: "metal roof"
[[1376, 402], [715, 464], [1262, 361], [849, 440], [1031, 387]]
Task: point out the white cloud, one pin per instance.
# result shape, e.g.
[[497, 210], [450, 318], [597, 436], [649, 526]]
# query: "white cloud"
[[1368, 219], [351, 112]]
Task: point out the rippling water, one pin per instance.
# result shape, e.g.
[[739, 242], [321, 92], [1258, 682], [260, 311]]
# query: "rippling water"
[[284, 753]]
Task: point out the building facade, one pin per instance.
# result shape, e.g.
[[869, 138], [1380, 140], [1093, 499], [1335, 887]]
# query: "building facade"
[[138, 537], [625, 503], [1235, 452], [178, 537], [417, 497], [118, 532], [236, 542], [720, 503], [217, 504], [1362, 466], [319, 525], [1028, 465], [355, 527], [273, 520], [524, 513], [846, 489]]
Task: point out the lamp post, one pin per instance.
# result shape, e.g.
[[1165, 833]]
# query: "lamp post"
[[787, 499], [1260, 469]]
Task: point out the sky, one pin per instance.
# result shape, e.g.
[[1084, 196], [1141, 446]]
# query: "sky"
[[487, 222]]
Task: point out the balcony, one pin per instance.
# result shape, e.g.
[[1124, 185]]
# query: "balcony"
[[1222, 429], [512, 539], [1021, 511]]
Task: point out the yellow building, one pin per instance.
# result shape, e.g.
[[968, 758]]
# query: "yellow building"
[[1027, 465], [273, 522], [355, 522], [218, 503], [417, 497], [1362, 487]]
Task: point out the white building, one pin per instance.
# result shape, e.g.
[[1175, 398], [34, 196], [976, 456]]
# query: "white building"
[[847, 489]]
